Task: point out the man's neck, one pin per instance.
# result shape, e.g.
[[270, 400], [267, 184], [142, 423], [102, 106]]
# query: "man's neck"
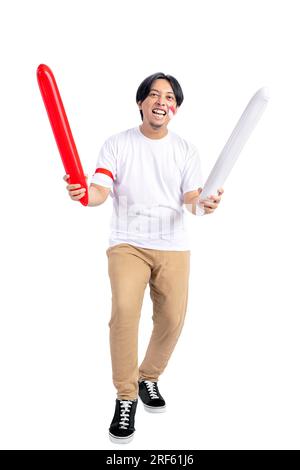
[[153, 133]]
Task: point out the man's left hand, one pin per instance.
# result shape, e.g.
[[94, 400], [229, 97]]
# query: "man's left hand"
[[211, 203]]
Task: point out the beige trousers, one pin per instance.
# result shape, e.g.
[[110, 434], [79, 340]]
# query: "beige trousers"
[[130, 269]]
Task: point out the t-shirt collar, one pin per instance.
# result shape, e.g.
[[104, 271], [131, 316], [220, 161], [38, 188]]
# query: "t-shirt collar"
[[162, 139]]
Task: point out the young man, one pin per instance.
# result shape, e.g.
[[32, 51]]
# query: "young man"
[[152, 174]]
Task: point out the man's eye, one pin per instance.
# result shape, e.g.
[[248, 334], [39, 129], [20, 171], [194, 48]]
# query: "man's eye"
[[153, 94], [170, 98]]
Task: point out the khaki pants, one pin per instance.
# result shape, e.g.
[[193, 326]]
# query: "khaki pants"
[[130, 269]]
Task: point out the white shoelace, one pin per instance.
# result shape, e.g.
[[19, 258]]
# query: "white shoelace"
[[125, 406], [151, 388]]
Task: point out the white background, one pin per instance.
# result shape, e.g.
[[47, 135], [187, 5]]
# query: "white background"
[[233, 379]]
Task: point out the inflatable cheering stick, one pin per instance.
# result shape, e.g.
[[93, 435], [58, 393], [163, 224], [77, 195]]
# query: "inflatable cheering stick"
[[234, 145], [61, 129]]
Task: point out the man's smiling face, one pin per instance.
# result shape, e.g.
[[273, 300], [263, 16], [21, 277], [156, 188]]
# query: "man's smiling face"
[[156, 106]]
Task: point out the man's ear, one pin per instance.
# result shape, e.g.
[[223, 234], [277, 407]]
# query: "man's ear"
[[139, 103]]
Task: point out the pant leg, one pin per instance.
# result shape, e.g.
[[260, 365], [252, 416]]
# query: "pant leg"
[[169, 294], [129, 274]]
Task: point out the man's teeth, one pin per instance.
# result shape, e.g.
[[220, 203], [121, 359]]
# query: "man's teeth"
[[158, 111]]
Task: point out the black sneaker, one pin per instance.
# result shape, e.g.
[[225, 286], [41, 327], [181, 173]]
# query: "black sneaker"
[[122, 428], [150, 396]]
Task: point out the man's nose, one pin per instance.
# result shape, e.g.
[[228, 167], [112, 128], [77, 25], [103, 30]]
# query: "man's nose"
[[161, 100]]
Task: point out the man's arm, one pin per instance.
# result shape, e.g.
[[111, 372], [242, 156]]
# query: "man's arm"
[[190, 200], [97, 194]]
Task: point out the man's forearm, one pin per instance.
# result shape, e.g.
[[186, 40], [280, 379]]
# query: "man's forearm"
[[96, 196], [191, 205]]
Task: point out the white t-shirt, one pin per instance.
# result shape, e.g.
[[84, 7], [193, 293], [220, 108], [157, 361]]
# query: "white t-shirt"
[[148, 178]]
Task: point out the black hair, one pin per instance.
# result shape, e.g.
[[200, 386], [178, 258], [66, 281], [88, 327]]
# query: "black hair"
[[145, 87]]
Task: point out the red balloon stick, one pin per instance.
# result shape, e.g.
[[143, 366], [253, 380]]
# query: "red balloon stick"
[[61, 128]]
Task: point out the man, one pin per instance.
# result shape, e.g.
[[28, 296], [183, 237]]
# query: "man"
[[152, 174]]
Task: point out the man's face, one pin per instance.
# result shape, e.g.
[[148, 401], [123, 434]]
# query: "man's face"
[[156, 106]]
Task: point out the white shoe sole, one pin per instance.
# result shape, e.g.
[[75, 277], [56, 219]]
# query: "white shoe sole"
[[120, 440], [155, 409]]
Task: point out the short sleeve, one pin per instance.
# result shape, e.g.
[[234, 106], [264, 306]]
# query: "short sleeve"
[[192, 178], [105, 172]]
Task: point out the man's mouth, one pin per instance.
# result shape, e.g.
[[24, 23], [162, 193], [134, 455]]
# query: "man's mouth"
[[159, 113]]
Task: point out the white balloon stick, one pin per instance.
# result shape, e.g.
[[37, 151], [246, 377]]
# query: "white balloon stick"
[[234, 145]]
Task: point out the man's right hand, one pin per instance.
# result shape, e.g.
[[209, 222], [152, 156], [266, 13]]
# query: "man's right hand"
[[75, 193]]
